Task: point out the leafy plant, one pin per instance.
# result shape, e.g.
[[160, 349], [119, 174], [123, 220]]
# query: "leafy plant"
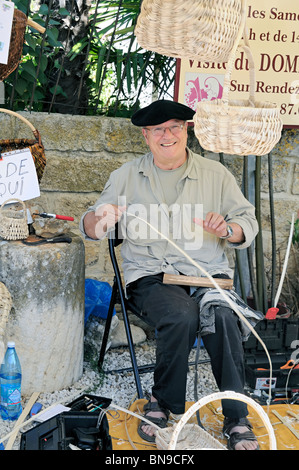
[[27, 87], [296, 233], [97, 67]]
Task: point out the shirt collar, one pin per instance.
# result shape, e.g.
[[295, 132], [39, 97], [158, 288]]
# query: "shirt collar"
[[146, 165]]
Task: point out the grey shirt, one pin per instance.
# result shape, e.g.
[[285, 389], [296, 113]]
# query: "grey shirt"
[[205, 186]]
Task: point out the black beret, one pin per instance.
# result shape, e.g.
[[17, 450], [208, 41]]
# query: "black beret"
[[161, 111]]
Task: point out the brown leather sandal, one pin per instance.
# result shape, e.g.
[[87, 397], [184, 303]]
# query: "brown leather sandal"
[[236, 437], [161, 422]]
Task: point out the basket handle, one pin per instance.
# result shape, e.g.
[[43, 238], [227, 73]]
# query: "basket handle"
[[34, 130], [8, 111], [14, 200], [227, 77], [222, 395], [231, 60]]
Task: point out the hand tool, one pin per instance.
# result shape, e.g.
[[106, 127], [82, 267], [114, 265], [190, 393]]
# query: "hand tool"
[[46, 215], [33, 240], [290, 365]]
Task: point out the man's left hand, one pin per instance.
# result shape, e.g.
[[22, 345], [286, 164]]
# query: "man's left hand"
[[214, 223]]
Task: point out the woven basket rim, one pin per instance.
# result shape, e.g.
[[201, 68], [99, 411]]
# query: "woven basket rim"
[[217, 396], [259, 105], [19, 116], [10, 200]]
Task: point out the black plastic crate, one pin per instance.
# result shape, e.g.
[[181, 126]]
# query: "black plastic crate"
[[281, 339], [278, 335], [258, 373], [80, 428]]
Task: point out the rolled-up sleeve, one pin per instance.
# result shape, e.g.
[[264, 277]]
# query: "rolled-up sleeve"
[[237, 209], [106, 197]]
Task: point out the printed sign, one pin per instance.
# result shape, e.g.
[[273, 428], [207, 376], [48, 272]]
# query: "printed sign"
[[6, 18], [273, 35], [18, 176]]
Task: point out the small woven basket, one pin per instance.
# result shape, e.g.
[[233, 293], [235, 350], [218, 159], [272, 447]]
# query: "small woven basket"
[[238, 127], [34, 145], [201, 30], [13, 222], [193, 437], [16, 44]]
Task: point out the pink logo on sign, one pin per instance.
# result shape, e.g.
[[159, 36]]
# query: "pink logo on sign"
[[211, 90]]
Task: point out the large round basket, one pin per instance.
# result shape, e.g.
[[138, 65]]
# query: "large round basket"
[[202, 30], [238, 127], [185, 436], [13, 222]]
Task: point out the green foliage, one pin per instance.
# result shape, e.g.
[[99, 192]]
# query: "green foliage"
[[27, 86], [116, 72], [114, 50], [296, 233]]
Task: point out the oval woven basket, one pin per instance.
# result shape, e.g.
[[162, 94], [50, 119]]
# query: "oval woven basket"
[[202, 30], [238, 127], [34, 145], [13, 222], [193, 437], [16, 44]]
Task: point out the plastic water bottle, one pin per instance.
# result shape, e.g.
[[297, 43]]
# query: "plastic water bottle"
[[10, 382]]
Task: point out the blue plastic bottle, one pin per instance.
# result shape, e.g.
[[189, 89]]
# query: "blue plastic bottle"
[[10, 383]]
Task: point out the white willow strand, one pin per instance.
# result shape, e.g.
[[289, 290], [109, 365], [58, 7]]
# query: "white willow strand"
[[228, 300]]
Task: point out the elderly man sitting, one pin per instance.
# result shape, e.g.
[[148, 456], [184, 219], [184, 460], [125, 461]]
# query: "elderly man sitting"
[[198, 203]]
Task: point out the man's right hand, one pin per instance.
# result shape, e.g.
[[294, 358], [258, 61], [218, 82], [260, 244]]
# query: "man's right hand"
[[97, 223]]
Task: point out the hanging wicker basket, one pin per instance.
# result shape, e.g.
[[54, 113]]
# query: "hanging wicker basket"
[[185, 436], [13, 222], [34, 145], [201, 30], [16, 44], [238, 127]]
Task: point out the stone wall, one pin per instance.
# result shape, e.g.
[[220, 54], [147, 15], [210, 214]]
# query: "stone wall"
[[81, 152]]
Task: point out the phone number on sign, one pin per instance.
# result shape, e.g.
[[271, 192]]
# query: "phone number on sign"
[[289, 108]]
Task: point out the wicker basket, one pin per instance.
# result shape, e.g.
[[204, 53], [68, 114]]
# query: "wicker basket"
[[196, 438], [13, 222], [34, 145], [16, 44], [192, 437], [239, 127], [202, 30]]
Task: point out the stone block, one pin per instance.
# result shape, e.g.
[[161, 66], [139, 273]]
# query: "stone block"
[[46, 283]]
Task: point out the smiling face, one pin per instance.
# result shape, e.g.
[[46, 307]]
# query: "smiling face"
[[169, 150]]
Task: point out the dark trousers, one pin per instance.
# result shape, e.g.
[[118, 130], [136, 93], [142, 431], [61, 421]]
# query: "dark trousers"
[[175, 315]]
